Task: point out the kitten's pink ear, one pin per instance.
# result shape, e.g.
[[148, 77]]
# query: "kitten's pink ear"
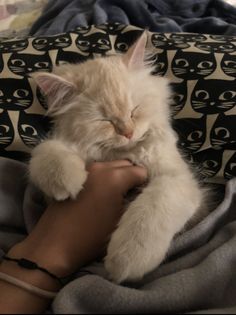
[[57, 90], [135, 56]]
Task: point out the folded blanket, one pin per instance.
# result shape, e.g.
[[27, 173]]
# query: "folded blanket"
[[198, 275], [198, 16]]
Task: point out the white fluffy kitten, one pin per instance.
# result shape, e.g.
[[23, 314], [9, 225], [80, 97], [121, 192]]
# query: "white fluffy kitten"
[[113, 108]]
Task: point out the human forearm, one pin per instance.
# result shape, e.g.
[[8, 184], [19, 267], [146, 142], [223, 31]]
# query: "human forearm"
[[14, 300]]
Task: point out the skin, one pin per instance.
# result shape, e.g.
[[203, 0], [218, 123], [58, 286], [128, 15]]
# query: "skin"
[[85, 226]]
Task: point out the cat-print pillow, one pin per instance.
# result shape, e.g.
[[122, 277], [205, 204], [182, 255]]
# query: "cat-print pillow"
[[201, 68]]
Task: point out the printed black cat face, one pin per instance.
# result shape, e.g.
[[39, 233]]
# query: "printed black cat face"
[[180, 94], [162, 42], [52, 42], [32, 128], [192, 66], [223, 134], [161, 64], [223, 38], [228, 64], [66, 57], [230, 169], [13, 45], [6, 130], [210, 161], [15, 94], [191, 38], [111, 28], [211, 96], [1, 63], [24, 64], [94, 43], [41, 99], [82, 29], [192, 132], [221, 48], [125, 40]]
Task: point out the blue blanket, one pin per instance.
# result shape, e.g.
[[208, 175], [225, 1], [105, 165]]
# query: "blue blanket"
[[198, 16]]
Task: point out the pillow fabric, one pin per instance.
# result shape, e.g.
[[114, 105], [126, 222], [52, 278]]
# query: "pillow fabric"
[[201, 68]]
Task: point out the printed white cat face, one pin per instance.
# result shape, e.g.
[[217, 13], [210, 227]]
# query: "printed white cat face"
[[111, 102]]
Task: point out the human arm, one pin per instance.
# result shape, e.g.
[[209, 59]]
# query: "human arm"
[[70, 234]]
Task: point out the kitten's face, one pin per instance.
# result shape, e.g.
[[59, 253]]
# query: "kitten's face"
[[111, 114], [53, 42], [15, 94], [107, 103], [22, 64], [212, 98], [192, 65]]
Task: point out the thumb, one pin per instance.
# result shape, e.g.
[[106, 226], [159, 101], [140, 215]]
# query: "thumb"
[[133, 176]]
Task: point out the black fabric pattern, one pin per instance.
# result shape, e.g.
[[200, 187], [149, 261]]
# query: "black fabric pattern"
[[201, 68]]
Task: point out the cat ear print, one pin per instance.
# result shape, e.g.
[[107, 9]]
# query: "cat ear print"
[[57, 90], [135, 56]]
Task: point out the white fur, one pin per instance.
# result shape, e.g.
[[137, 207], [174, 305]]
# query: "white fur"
[[113, 90]]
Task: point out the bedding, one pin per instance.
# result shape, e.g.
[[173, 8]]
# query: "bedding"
[[198, 275], [194, 16], [199, 272], [17, 16]]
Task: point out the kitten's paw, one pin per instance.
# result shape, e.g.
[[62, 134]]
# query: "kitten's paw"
[[125, 261], [138, 246], [60, 175], [70, 182]]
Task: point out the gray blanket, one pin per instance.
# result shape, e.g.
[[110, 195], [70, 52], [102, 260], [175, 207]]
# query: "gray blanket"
[[199, 275], [196, 16]]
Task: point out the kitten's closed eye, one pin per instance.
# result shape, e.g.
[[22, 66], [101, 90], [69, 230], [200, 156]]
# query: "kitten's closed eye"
[[134, 111]]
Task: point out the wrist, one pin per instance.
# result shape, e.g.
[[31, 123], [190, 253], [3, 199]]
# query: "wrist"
[[45, 258]]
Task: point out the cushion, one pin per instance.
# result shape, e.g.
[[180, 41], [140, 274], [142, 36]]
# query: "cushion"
[[201, 68]]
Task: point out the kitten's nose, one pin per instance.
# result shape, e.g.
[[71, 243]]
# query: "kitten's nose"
[[8, 100], [128, 134]]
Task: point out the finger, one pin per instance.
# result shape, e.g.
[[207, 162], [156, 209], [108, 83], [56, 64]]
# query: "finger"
[[110, 164], [133, 176]]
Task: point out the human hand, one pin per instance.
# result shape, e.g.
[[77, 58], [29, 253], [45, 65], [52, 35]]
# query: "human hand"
[[73, 233]]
